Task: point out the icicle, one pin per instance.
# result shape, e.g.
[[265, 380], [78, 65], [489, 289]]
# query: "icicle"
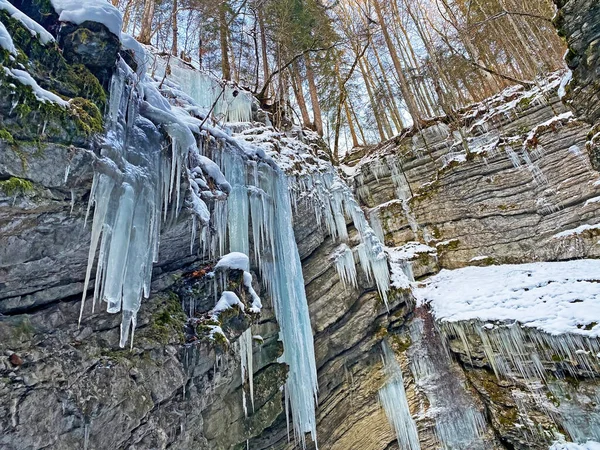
[[393, 399], [345, 265], [245, 341], [458, 422]]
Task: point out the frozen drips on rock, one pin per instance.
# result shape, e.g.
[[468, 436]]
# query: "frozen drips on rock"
[[388, 166], [134, 185], [343, 259], [393, 399], [334, 203], [536, 324], [227, 101], [457, 420], [245, 343], [260, 195]]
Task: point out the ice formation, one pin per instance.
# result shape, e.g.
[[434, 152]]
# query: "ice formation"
[[333, 202], [264, 199], [245, 342], [536, 322], [135, 184], [345, 265], [457, 420], [228, 102], [391, 166], [393, 399]]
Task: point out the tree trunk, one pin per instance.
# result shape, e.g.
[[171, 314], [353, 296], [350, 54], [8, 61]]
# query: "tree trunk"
[[146, 31], [223, 34], [372, 100], [174, 50], [314, 98], [411, 104], [263, 44], [299, 94]]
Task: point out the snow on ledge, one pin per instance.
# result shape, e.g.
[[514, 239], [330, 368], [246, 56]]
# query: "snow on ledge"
[[590, 445], [576, 231], [40, 93], [554, 297], [78, 11], [234, 261]]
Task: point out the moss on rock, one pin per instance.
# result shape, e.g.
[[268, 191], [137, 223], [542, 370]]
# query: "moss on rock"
[[16, 186], [32, 119]]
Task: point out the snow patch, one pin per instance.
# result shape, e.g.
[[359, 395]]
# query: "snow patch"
[[78, 11], [234, 261], [576, 231], [40, 93], [554, 297], [228, 300], [6, 41], [589, 445]]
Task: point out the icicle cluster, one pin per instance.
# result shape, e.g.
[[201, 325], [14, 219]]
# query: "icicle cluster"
[[260, 196], [393, 399], [392, 167], [458, 423], [245, 342], [343, 259], [133, 188], [515, 352], [333, 203], [228, 103]]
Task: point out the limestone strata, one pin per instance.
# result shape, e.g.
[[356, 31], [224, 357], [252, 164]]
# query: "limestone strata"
[[483, 207]]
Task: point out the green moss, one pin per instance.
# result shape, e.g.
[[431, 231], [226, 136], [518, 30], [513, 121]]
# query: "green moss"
[[47, 66], [16, 186], [381, 333], [423, 258], [450, 245], [401, 343], [525, 102], [6, 137], [23, 330], [168, 321], [426, 192], [87, 115]]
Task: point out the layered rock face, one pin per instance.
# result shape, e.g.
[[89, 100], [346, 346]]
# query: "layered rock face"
[[515, 186], [66, 385], [481, 205]]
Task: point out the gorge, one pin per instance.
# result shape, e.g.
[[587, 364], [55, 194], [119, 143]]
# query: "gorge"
[[438, 290]]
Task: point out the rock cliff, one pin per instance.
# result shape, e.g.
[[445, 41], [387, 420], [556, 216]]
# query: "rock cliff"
[[510, 182]]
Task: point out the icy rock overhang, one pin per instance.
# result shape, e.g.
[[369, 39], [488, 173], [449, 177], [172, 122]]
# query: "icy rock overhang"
[[554, 297], [529, 317]]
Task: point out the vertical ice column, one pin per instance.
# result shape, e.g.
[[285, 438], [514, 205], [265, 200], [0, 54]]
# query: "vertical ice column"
[[459, 423], [282, 271], [393, 399], [234, 167], [245, 342]]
